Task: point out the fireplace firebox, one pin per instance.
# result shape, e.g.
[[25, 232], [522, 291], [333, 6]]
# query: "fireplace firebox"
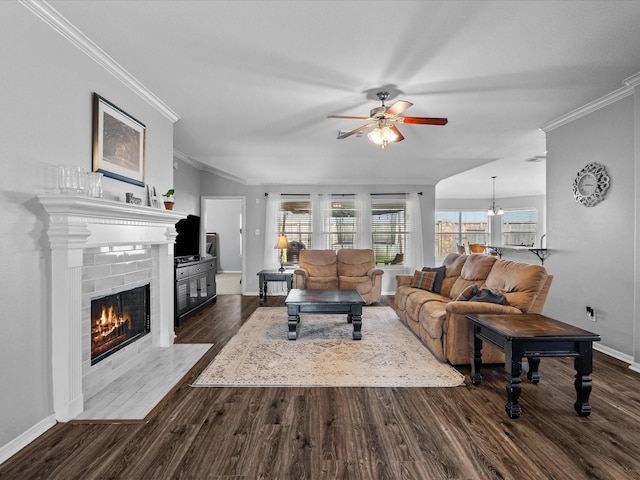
[[117, 320]]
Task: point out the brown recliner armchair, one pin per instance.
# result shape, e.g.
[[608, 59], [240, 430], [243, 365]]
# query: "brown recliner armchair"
[[348, 269]]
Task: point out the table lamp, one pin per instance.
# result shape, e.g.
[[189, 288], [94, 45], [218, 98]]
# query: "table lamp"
[[282, 243]]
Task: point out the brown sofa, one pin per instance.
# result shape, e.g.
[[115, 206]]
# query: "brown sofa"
[[348, 269], [440, 321]]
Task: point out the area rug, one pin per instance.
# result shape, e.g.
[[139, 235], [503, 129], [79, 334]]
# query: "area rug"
[[324, 354]]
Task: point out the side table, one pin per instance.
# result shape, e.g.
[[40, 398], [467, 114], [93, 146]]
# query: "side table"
[[265, 276], [532, 336]]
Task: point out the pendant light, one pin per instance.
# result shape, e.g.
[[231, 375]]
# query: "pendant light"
[[493, 209]]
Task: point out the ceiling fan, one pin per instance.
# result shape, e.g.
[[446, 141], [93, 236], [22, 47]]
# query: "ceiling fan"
[[384, 118]]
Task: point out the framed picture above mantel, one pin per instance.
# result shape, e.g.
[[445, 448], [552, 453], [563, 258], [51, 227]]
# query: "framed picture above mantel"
[[118, 143]]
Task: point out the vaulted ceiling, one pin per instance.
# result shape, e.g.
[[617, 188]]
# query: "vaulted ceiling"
[[254, 81]]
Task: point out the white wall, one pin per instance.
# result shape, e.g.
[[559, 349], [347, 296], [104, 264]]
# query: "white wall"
[[593, 249], [46, 97]]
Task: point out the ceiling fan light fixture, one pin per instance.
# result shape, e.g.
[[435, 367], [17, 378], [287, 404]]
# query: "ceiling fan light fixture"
[[382, 136]]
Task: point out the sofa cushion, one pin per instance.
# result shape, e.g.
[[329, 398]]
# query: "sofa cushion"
[[362, 284], [319, 263], [321, 283], [440, 273], [475, 270], [355, 262], [432, 316], [521, 282], [453, 267], [417, 298], [424, 280]]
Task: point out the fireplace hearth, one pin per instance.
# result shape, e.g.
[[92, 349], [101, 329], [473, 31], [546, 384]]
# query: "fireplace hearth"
[[118, 320]]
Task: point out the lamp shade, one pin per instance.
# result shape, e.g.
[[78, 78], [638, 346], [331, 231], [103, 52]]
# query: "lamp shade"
[[282, 242]]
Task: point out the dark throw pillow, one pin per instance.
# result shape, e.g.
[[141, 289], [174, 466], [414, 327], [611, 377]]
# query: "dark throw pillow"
[[489, 295], [440, 272], [423, 280]]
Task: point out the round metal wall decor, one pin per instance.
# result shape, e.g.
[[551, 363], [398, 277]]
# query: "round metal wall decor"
[[591, 184]]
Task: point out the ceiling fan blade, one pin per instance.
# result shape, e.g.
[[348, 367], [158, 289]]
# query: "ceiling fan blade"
[[349, 117], [423, 120], [353, 132], [395, 130], [398, 107]]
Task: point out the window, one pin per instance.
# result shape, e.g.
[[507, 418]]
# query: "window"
[[295, 221], [519, 227], [341, 225], [381, 222], [389, 230], [459, 228]]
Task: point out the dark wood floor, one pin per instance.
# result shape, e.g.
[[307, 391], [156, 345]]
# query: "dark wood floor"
[[353, 433]]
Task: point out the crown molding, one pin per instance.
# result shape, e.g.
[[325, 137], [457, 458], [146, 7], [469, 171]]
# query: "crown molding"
[[206, 168], [633, 80], [619, 94], [60, 24]]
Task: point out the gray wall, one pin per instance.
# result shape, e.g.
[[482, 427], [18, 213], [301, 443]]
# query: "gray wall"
[[593, 249], [186, 183], [46, 97]]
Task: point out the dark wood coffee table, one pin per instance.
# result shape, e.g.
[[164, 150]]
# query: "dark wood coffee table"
[[533, 337], [327, 302]]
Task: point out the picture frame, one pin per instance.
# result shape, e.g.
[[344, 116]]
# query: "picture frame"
[[118, 143], [153, 197]]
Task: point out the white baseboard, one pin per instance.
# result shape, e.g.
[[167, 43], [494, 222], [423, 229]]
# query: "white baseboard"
[[623, 357], [26, 438]]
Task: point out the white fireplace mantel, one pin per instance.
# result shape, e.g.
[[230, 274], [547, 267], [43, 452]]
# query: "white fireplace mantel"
[[77, 222]]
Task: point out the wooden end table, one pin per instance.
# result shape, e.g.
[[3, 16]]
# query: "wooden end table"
[[532, 336], [324, 301], [265, 276]]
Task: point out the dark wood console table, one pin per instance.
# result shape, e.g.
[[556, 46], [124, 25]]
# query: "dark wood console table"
[[195, 285], [533, 337], [324, 301]]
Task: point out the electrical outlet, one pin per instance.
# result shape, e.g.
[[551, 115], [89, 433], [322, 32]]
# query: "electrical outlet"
[[591, 314]]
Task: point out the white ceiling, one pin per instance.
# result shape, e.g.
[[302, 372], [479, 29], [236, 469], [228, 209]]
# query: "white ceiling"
[[253, 82]]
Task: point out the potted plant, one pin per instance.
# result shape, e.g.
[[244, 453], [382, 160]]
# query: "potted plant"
[[168, 199]]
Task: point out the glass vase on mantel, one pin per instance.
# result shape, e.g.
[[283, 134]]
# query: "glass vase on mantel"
[[94, 185]]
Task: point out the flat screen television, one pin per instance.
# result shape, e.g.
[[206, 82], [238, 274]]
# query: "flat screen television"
[[188, 239]]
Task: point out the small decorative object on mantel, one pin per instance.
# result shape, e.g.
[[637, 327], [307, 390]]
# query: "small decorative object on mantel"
[[153, 197], [591, 184], [133, 199], [168, 199]]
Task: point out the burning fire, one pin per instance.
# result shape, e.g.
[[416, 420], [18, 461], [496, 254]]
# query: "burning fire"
[[110, 324]]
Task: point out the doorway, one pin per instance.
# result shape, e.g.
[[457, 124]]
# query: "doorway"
[[223, 221]]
